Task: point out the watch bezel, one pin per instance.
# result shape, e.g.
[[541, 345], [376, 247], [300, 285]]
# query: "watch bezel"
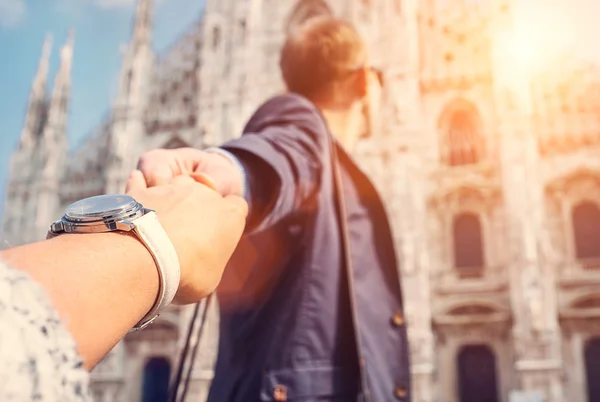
[[104, 221], [128, 206]]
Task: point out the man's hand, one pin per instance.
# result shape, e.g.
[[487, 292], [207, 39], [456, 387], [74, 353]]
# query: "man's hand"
[[160, 166]]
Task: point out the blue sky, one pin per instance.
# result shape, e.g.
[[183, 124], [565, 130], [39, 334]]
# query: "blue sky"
[[102, 25]]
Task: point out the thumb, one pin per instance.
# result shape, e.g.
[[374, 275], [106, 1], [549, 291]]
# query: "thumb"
[[136, 182], [226, 176]]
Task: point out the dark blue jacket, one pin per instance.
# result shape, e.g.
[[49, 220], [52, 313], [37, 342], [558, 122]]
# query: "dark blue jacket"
[[287, 317]]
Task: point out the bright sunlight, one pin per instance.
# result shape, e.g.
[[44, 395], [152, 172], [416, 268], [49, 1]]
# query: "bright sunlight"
[[541, 31]]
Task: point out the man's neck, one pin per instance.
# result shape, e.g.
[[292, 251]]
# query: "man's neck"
[[340, 125]]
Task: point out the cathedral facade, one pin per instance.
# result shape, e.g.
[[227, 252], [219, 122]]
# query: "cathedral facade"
[[492, 185]]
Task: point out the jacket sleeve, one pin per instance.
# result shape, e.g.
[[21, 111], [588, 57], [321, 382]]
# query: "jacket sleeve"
[[283, 160]]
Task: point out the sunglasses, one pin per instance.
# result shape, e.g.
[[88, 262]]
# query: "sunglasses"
[[379, 74], [374, 70]]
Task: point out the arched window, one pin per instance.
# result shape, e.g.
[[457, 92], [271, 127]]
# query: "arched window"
[[477, 377], [305, 10], [468, 243], [586, 230], [156, 380], [462, 143]]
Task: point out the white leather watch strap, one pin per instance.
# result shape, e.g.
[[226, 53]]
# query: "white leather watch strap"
[[151, 233]]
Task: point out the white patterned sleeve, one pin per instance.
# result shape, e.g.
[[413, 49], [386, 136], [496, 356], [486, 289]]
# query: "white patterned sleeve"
[[38, 358]]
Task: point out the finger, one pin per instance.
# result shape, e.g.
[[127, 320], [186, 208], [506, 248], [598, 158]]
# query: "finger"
[[136, 181], [159, 177], [182, 179], [205, 179]]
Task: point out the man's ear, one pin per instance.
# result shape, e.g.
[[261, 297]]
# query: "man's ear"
[[361, 82]]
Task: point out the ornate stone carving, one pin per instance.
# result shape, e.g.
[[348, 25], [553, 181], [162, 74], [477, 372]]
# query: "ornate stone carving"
[[472, 189], [421, 348], [533, 296]]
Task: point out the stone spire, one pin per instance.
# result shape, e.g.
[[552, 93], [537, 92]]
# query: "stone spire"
[[127, 130], [51, 153], [142, 29], [55, 129], [36, 109], [137, 59]]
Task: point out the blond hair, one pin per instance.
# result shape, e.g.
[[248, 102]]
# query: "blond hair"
[[319, 53]]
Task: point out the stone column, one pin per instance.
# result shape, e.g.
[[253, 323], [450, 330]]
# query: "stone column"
[[533, 293], [406, 201], [399, 179], [536, 331]]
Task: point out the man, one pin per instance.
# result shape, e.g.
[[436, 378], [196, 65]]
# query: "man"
[[294, 325]]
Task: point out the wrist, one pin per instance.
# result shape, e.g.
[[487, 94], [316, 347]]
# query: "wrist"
[[137, 271], [238, 184], [137, 268]]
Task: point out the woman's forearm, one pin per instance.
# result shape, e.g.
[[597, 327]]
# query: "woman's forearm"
[[101, 285]]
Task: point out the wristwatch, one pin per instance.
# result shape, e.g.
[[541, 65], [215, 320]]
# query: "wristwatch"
[[112, 213]]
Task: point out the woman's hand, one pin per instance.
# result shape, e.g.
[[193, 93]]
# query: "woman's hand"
[[203, 226]]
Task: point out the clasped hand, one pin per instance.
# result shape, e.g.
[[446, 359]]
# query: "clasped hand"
[[204, 225]]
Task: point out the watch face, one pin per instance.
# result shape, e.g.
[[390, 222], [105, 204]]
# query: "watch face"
[[102, 206]]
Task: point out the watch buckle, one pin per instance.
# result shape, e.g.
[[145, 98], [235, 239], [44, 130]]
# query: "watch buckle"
[[145, 324]]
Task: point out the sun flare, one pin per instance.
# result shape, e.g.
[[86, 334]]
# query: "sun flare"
[[540, 32]]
